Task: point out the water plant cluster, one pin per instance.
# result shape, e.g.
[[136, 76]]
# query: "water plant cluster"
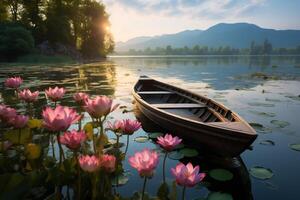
[[55, 155]]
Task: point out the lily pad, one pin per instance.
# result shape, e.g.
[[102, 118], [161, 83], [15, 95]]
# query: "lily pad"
[[188, 152], [179, 146], [280, 124], [273, 100], [267, 142], [220, 174], [263, 114], [155, 135], [295, 147], [175, 155], [296, 98], [261, 104], [261, 173], [260, 128], [219, 196], [121, 179], [141, 139]]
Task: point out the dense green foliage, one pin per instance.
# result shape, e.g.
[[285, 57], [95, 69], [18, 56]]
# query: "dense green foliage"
[[78, 24], [14, 41], [255, 49]]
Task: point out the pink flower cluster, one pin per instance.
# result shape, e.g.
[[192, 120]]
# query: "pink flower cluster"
[[168, 142], [99, 106], [55, 93], [59, 118], [126, 126], [144, 162], [9, 116], [13, 82], [28, 96], [94, 163], [80, 97], [73, 139], [187, 175]]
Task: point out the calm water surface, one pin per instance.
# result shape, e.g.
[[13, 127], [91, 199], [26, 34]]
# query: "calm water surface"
[[261, 89]]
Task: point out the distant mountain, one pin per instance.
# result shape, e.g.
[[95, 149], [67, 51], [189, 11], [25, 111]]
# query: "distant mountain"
[[238, 35]]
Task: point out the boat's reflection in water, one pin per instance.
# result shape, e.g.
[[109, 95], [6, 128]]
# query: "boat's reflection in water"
[[239, 186]]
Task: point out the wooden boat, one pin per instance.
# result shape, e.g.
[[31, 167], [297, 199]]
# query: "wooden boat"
[[194, 117]]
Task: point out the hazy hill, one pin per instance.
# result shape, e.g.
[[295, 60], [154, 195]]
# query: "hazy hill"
[[238, 35]]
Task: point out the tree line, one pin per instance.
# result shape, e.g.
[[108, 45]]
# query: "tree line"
[[265, 48], [80, 24]]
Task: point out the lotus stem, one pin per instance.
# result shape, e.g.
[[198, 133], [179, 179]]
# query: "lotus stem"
[[144, 187], [164, 166], [19, 137], [61, 151], [183, 193], [127, 144]]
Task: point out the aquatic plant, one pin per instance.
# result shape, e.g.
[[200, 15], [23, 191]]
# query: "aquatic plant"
[[87, 164]]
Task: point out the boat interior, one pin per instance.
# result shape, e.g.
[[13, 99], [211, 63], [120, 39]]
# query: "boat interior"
[[182, 103]]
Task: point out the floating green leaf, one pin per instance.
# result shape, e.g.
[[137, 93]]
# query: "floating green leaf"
[[261, 104], [267, 142], [155, 135], [188, 152], [295, 147], [122, 179], [261, 173], [221, 174], [273, 100], [263, 114], [141, 139], [175, 155], [179, 146], [219, 196], [280, 124], [260, 128]]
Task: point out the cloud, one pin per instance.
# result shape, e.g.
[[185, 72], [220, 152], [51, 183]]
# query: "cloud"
[[204, 9]]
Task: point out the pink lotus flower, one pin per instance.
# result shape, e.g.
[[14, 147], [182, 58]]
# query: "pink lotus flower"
[[168, 142], [55, 93], [19, 121], [108, 162], [7, 113], [187, 175], [130, 126], [13, 82], [80, 97], [60, 118], [145, 162], [100, 106], [89, 163], [73, 139], [116, 127], [28, 96]]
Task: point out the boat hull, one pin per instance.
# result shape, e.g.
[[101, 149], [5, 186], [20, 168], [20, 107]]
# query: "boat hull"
[[222, 142]]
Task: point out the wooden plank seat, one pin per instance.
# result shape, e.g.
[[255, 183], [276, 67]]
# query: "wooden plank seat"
[[178, 105], [155, 92]]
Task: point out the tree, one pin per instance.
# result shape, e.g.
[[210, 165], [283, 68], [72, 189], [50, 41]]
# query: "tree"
[[267, 47], [14, 41], [3, 11]]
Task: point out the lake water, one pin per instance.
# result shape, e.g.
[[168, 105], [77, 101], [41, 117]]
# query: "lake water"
[[263, 90]]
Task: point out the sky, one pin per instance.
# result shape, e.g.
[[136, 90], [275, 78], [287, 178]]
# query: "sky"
[[133, 18]]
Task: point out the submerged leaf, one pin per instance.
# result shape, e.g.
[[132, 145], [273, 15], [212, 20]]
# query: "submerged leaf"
[[263, 114], [175, 155], [260, 128], [219, 196], [280, 124], [261, 172], [188, 152], [295, 147], [141, 139], [221, 174], [155, 135], [261, 104], [267, 142]]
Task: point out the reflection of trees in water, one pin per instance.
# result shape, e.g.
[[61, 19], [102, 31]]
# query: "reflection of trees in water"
[[95, 79]]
